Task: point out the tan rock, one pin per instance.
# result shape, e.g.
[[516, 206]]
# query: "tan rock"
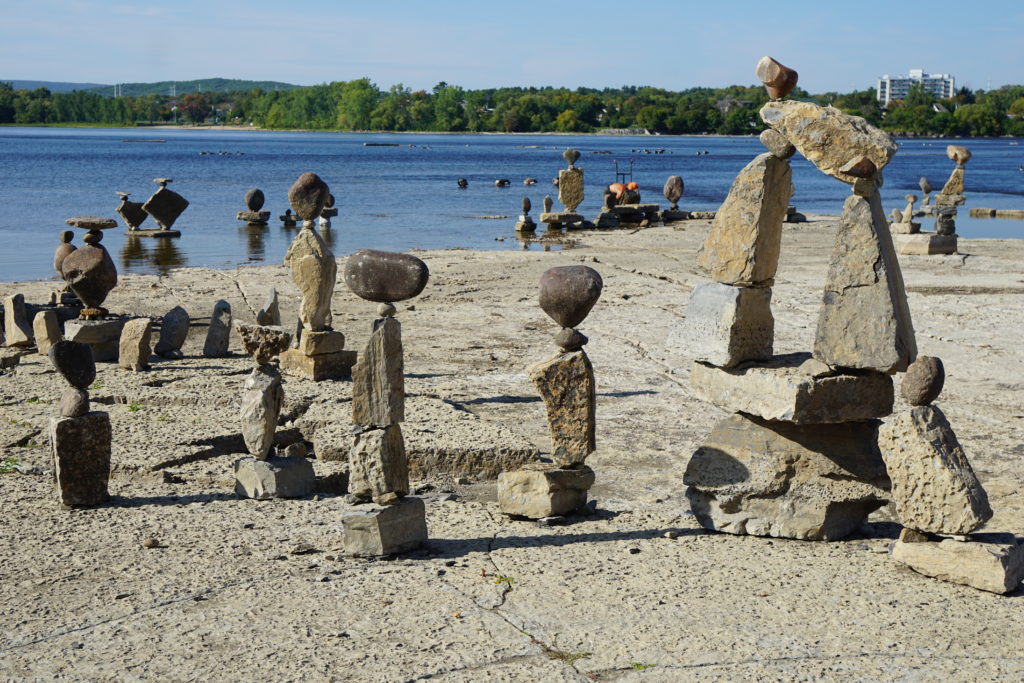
[[743, 245], [570, 188], [827, 137], [378, 468], [785, 388], [17, 330], [566, 383], [81, 457], [958, 153], [934, 487], [777, 143], [262, 343], [274, 477], [370, 530], [955, 184], [318, 368], [726, 325], [313, 271], [134, 349], [544, 491], [262, 398], [313, 343], [813, 482], [864, 321], [378, 379], [46, 330], [924, 243], [988, 562]]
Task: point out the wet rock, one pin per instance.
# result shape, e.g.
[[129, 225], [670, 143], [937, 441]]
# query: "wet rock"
[[308, 195], [262, 398], [726, 325], [778, 80], [73, 360], [988, 562], [134, 347], [566, 383], [81, 456], [218, 334], [544, 491], [254, 199], [385, 276], [567, 293], [923, 381], [933, 485], [314, 271], [378, 380], [814, 482], [173, 333], [377, 466], [262, 343]]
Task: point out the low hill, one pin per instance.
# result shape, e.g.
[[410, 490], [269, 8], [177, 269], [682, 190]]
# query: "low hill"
[[52, 86], [200, 85]]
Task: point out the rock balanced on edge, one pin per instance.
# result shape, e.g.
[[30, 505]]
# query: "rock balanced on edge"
[[566, 383]]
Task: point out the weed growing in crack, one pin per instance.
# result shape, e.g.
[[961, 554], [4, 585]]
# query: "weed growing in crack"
[[505, 579], [640, 666], [134, 407], [9, 465]]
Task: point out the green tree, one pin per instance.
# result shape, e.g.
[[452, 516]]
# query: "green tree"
[[356, 104]]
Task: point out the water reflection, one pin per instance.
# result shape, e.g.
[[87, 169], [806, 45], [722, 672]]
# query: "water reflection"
[[328, 234], [161, 253], [255, 241]]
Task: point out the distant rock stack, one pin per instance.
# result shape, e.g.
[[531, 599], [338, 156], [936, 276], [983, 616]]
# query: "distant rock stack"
[[165, 206], [253, 214], [526, 222], [570, 193], [944, 239], [673, 192], [130, 212]]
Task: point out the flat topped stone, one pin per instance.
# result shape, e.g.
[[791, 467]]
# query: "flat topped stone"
[[567, 293], [794, 388], [163, 180], [74, 361], [560, 217], [991, 562], [385, 276], [92, 222]]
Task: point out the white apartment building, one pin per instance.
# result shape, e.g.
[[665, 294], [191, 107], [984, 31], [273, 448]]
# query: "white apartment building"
[[898, 87]]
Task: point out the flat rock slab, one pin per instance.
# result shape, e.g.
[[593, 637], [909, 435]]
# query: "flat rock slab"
[[542, 491], [566, 383], [726, 325], [794, 388], [813, 482], [102, 336], [318, 368], [274, 477], [375, 530], [924, 244], [933, 485], [988, 562], [81, 458], [317, 343]]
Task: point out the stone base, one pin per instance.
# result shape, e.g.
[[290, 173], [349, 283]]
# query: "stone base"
[[905, 228], [320, 367], [607, 219], [703, 215], [726, 325], [988, 562], [949, 199], [544, 491], [274, 477], [557, 219], [331, 212], [795, 388], [673, 215], [155, 232], [103, 336], [526, 225], [321, 342], [289, 221], [254, 217], [81, 457], [814, 482], [372, 530], [925, 244]]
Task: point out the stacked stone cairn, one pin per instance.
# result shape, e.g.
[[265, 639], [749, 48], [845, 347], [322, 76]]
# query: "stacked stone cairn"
[[79, 438], [937, 496], [570, 193], [944, 239], [526, 222], [926, 189], [264, 475], [253, 214], [319, 353], [329, 211], [288, 218], [90, 273], [608, 218], [903, 222], [799, 458], [131, 212], [673, 191], [384, 519], [165, 206], [566, 383]]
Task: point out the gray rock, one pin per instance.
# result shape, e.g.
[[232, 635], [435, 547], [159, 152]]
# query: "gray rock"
[[74, 402], [17, 330], [63, 249], [81, 457], [385, 276], [673, 190], [567, 293], [923, 381], [218, 334], [46, 329], [815, 482], [270, 314], [92, 222], [934, 487], [254, 199], [378, 380], [542, 491], [864, 320], [377, 465], [370, 530], [132, 213], [101, 335], [90, 273], [262, 398], [726, 325], [274, 477], [173, 332], [792, 389], [988, 562], [566, 383], [263, 344], [134, 348], [165, 206], [308, 195], [73, 360]]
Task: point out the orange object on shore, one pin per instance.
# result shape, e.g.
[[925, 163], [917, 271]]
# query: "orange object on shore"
[[632, 186], [617, 189]]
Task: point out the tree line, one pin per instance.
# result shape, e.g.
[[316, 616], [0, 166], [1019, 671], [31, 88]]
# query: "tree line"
[[360, 105]]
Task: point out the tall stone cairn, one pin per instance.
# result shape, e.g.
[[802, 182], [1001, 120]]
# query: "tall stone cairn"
[[570, 182]]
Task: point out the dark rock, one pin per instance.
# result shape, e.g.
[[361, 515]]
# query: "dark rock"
[[165, 206], [673, 189], [131, 213], [173, 332], [254, 199], [923, 382], [92, 222], [90, 273], [571, 156], [308, 196], [63, 249], [567, 293], [329, 204], [385, 276], [73, 360], [526, 205]]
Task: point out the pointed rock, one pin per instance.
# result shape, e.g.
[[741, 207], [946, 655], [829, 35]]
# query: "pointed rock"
[[270, 314], [262, 398], [566, 383], [865, 320], [378, 380], [313, 270], [218, 334], [165, 206]]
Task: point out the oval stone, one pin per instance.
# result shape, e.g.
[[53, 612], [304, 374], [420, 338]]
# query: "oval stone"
[[567, 293], [961, 155], [92, 222], [308, 196], [73, 360], [91, 274], [385, 276], [673, 189], [254, 199], [923, 381]]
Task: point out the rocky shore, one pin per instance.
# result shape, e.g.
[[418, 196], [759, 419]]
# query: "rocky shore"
[[634, 589]]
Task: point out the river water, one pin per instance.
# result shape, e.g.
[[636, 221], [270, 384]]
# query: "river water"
[[400, 197]]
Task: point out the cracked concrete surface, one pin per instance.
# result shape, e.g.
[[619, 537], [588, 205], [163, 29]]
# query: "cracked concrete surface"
[[241, 589]]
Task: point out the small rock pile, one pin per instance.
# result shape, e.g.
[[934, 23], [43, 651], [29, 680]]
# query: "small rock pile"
[[253, 214]]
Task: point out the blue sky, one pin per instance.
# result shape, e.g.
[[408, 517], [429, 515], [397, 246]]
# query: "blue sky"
[[673, 44]]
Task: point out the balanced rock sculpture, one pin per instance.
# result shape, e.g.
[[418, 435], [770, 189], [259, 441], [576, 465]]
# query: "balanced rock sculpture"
[[570, 193], [79, 438], [320, 353], [130, 212], [778, 80], [90, 273], [385, 519], [673, 192], [165, 206], [952, 193], [253, 215], [566, 383], [526, 222]]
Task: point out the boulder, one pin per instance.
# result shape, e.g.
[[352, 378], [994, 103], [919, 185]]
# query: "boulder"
[[385, 276], [567, 293], [274, 477], [923, 381], [308, 195], [570, 188], [263, 343], [81, 458]]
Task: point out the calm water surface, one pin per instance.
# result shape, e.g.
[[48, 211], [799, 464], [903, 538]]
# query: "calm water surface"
[[401, 197]]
